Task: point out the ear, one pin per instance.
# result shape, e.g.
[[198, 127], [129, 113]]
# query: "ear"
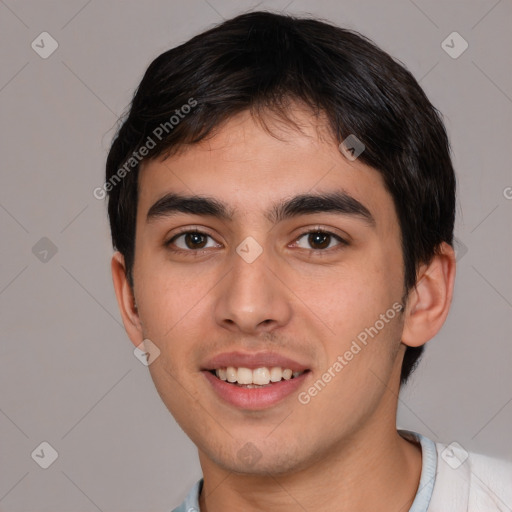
[[126, 300], [429, 301]]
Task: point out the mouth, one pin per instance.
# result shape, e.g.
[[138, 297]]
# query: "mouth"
[[254, 381], [255, 389], [257, 378]]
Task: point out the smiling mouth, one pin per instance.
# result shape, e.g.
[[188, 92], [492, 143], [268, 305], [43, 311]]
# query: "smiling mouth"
[[255, 378]]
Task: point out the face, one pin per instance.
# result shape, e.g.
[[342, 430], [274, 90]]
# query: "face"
[[312, 287]]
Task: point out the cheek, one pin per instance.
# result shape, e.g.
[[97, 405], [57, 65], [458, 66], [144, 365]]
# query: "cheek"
[[348, 297], [355, 311], [179, 395], [169, 294]]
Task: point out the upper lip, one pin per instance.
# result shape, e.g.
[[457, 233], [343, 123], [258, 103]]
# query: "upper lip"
[[252, 361]]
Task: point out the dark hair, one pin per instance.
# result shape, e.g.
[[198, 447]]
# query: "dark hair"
[[260, 62]]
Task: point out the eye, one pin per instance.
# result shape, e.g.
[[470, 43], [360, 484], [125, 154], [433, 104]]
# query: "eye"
[[191, 240], [319, 240]]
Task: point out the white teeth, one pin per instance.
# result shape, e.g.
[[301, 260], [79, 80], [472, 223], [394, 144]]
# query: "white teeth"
[[287, 374], [231, 374], [260, 376], [221, 373], [244, 376], [276, 374], [257, 377]]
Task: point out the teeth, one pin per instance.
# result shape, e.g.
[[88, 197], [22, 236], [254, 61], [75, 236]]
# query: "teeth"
[[287, 374], [276, 374], [244, 376], [231, 374], [254, 378], [260, 376]]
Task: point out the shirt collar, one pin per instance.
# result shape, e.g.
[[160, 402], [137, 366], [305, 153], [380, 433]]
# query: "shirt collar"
[[428, 470]]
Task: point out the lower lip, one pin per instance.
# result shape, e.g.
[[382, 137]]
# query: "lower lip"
[[254, 398]]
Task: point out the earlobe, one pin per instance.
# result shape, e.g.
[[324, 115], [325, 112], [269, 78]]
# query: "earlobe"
[[126, 300], [429, 301]]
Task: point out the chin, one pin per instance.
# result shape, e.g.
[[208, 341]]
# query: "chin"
[[261, 468], [252, 459]]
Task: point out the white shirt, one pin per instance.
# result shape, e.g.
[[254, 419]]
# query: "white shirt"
[[452, 480]]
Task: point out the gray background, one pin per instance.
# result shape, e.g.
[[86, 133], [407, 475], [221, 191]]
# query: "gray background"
[[68, 374]]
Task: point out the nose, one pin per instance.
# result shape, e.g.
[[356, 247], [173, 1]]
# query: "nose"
[[252, 299]]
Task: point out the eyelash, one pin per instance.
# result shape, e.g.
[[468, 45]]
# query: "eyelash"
[[342, 242]]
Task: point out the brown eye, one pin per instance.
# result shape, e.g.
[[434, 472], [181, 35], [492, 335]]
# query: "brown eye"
[[319, 240], [195, 240], [190, 241]]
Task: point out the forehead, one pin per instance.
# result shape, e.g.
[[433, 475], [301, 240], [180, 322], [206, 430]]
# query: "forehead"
[[249, 166]]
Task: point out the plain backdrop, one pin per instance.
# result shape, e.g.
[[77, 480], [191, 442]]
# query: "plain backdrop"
[[68, 374]]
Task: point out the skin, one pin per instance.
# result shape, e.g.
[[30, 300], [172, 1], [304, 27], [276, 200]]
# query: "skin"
[[341, 451]]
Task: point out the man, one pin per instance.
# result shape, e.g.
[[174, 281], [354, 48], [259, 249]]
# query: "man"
[[281, 198]]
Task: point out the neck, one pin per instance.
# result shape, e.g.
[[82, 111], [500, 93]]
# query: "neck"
[[375, 469]]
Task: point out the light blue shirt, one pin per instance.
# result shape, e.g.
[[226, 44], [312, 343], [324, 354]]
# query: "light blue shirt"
[[420, 503]]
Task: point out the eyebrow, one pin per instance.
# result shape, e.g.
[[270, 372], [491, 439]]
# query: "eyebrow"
[[303, 204]]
